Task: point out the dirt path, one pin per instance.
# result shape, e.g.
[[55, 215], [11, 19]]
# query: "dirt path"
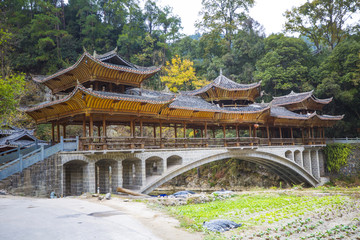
[[163, 226]]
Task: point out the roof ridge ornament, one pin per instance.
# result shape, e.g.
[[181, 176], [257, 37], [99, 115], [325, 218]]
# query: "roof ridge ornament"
[[85, 49], [94, 54], [221, 72]]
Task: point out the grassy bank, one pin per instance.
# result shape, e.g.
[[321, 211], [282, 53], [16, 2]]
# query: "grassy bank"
[[316, 214]]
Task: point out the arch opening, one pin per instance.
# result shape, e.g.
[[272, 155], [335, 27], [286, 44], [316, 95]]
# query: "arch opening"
[[289, 155], [132, 174], [106, 175], [74, 177], [173, 161], [154, 167]]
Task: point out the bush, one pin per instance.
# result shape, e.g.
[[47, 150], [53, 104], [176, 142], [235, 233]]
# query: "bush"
[[336, 155]]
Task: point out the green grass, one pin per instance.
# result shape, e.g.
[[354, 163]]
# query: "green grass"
[[253, 209]]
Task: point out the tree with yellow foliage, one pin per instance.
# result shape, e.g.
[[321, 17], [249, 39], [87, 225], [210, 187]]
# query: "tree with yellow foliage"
[[180, 75]]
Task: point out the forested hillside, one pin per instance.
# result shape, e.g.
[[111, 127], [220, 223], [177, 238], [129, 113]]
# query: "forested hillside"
[[40, 37]]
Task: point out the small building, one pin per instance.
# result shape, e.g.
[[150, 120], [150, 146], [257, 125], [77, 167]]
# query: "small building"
[[13, 137]]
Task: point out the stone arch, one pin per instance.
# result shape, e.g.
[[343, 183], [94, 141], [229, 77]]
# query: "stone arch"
[[289, 155], [106, 175], [154, 166], [132, 173], [297, 157], [173, 161], [289, 171], [75, 177]]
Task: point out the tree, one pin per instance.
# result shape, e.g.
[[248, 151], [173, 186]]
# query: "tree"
[[11, 84], [285, 66], [339, 74], [11, 90], [322, 21], [180, 75], [224, 16]]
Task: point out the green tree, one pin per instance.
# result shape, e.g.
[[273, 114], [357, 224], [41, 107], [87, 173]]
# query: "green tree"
[[322, 21], [224, 16], [339, 74], [285, 66]]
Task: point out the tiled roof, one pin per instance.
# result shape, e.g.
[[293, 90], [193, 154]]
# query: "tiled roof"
[[293, 97], [282, 112], [130, 68], [193, 103], [224, 83]]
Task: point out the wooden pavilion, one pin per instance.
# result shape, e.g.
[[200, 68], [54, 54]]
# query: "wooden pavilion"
[[100, 91]]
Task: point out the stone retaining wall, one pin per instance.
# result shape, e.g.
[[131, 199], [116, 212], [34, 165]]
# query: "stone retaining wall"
[[38, 180]]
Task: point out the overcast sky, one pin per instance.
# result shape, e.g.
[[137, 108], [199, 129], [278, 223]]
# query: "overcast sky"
[[268, 13]]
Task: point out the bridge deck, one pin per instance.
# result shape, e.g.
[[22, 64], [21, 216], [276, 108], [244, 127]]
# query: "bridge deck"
[[117, 143]]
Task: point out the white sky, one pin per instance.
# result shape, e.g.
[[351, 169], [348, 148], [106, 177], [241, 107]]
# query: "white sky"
[[268, 13]]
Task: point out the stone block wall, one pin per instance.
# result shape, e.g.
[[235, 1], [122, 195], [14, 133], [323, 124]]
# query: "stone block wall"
[[38, 180]]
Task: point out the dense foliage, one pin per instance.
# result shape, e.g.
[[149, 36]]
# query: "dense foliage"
[[43, 36], [336, 155]]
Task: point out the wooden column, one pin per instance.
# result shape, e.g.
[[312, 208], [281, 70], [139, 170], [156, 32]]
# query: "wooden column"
[[104, 134], [292, 136], [303, 135], [237, 135], [309, 135], [84, 125], [280, 132], [142, 135], [91, 131], [268, 135], [250, 136], [224, 134], [185, 141], [99, 131], [161, 142], [205, 135], [132, 134], [53, 132], [58, 131], [154, 133], [141, 129], [313, 136]]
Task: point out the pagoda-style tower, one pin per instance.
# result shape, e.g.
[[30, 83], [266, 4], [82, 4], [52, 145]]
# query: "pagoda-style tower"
[[99, 91], [107, 72], [301, 102], [228, 93]]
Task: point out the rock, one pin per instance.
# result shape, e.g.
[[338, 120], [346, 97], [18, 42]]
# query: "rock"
[[101, 197], [95, 195], [3, 192], [220, 225], [108, 196]]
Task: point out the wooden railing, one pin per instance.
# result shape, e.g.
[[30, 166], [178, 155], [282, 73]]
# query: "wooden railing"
[[118, 143]]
